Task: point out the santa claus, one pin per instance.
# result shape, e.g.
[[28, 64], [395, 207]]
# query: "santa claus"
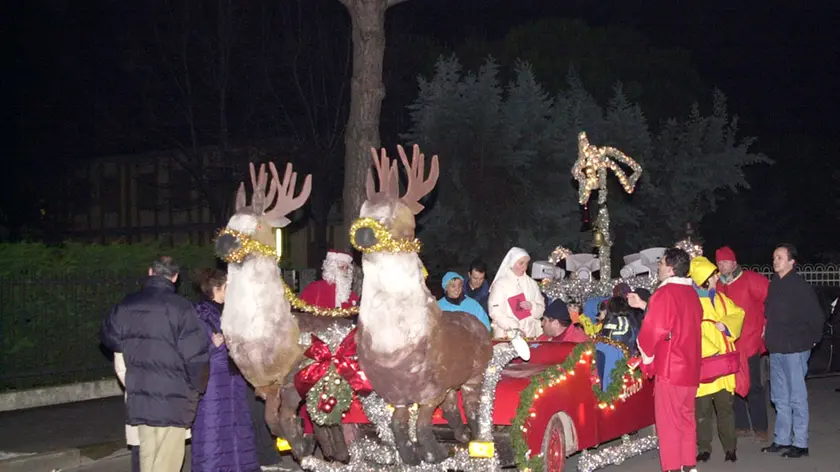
[[334, 289]]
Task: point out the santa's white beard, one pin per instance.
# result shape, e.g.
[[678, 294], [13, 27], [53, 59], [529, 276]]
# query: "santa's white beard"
[[343, 285]]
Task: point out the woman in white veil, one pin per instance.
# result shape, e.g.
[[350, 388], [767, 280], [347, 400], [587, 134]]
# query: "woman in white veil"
[[515, 302]]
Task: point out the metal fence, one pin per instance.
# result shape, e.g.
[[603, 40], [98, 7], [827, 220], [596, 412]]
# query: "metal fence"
[[826, 275], [49, 324]]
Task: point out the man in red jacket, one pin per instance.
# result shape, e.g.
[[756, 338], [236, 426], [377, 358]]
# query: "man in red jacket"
[[748, 290], [669, 343]]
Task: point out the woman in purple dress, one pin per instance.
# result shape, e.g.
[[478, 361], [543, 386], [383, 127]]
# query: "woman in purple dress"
[[223, 434]]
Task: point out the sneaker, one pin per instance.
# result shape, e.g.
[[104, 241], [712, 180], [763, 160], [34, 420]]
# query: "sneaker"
[[796, 452], [776, 448], [704, 456]]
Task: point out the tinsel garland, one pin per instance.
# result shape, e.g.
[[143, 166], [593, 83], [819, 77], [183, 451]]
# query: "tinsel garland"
[[301, 305], [247, 246], [582, 290], [327, 401], [385, 241], [550, 377], [615, 455]]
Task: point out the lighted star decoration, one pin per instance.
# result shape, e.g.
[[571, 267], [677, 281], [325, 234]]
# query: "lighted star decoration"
[[558, 254], [590, 169]]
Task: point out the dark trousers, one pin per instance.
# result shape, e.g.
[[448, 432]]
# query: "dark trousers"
[[751, 413], [720, 403], [266, 445], [135, 458]]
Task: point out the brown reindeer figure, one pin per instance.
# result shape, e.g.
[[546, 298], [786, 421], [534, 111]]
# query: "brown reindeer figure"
[[410, 350], [261, 332]]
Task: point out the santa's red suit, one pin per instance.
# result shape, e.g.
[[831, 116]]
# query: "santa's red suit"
[[322, 293], [748, 290], [669, 342]]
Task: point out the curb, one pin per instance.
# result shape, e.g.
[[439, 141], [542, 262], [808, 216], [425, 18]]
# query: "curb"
[[53, 461]]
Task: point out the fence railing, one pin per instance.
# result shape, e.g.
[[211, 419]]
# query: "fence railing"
[[815, 274], [49, 324]]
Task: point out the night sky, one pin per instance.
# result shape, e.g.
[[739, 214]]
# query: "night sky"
[[776, 60]]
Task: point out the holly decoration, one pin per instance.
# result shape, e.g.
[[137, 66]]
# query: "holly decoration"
[[329, 398], [623, 376]]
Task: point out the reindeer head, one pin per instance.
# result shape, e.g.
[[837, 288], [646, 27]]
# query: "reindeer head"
[[258, 220], [385, 206]]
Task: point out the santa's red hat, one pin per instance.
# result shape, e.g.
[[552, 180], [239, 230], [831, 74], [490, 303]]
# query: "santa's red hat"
[[339, 256], [725, 254]]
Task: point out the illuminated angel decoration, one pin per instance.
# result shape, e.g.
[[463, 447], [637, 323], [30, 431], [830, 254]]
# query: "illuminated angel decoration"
[[590, 169]]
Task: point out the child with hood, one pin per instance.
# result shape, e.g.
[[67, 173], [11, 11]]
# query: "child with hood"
[[721, 327], [454, 299]]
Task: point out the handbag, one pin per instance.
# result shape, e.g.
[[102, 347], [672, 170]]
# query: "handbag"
[[720, 365]]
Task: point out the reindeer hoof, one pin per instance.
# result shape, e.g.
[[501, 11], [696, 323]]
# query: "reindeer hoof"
[[434, 453], [408, 454], [303, 447], [462, 435]]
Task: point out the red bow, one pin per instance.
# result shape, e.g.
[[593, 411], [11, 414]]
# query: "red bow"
[[343, 360]]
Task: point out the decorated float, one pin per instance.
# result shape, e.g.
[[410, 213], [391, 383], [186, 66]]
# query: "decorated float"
[[385, 394]]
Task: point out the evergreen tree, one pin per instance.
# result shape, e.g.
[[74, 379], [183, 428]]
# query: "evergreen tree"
[[507, 152]]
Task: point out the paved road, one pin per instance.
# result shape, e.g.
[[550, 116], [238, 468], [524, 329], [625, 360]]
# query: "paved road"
[[96, 426]]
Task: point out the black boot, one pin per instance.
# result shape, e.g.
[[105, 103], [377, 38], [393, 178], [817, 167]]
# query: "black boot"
[[704, 456], [730, 456], [796, 452], [775, 448]]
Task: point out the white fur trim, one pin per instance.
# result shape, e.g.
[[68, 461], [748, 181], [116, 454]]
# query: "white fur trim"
[[677, 281], [340, 257], [645, 358]]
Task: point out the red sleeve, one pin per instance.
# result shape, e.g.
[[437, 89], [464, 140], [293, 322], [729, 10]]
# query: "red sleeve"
[[656, 325], [353, 298]]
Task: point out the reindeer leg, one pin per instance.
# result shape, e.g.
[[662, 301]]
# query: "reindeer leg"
[[324, 440], [471, 396], [453, 416], [339, 445], [281, 417], [433, 452], [399, 426]]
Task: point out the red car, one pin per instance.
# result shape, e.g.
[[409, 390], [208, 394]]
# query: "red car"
[[553, 406]]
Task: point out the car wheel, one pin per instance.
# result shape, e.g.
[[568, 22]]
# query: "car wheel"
[[554, 445]]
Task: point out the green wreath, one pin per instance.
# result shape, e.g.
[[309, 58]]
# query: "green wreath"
[[329, 398], [550, 376]]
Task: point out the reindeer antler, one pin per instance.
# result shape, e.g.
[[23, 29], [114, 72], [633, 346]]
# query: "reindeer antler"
[[285, 190], [418, 187], [389, 183], [261, 201]]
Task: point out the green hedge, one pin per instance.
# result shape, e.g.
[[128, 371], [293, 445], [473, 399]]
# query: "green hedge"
[[52, 299]]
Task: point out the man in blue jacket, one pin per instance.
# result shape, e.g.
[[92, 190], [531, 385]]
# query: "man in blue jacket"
[[455, 300], [166, 354]]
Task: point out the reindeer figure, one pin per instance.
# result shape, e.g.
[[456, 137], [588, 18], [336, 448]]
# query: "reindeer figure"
[[260, 331], [410, 350]]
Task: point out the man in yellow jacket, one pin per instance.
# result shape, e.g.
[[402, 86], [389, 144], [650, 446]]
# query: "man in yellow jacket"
[[721, 326]]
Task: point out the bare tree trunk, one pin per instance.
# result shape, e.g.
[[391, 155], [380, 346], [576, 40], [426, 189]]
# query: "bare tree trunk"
[[366, 94]]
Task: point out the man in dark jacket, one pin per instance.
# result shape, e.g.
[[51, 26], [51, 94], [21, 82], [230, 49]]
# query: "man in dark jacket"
[[166, 354], [794, 326], [477, 287]]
